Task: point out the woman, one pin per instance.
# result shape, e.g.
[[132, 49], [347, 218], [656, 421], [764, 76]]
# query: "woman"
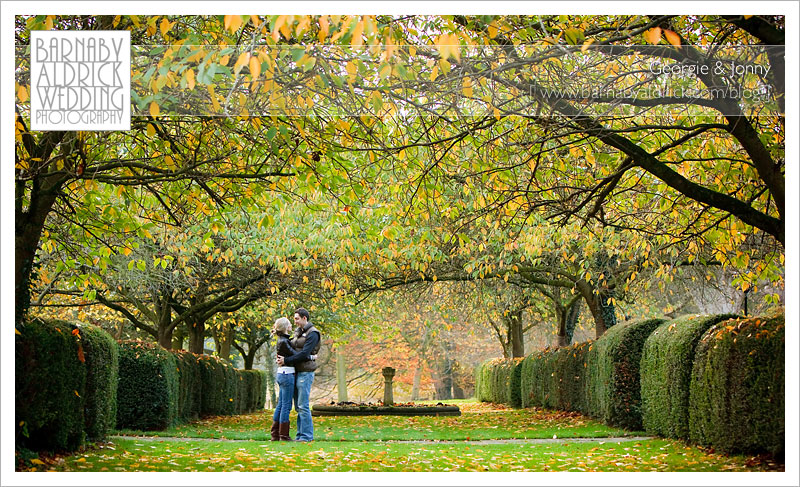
[[285, 379]]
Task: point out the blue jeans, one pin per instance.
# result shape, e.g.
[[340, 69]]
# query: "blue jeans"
[[305, 428], [285, 394]]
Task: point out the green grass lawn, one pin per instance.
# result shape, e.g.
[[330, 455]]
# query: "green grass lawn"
[[477, 422], [369, 443]]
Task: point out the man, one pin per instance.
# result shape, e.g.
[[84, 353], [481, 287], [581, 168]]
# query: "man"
[[307, 342]]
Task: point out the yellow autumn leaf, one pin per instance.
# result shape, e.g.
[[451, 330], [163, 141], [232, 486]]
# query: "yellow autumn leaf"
[[243, 59], [76, 393], [190, 78], [151, 130], [356, 40], [36, 461], [22, 94], [493, 29], [586, 44], [323, 28], [467, 87], [232, 22], [653, 36], [154, 109], [214, 102], [16, 332], [672, 38], [165, 26], [255, 67]]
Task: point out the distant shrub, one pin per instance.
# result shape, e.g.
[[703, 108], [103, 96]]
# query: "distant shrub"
[[612, 385], [50, 384], [736, 394], [148, 390], [666, 371], [102, 369]]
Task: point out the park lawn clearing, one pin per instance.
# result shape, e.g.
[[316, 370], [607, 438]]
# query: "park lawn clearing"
[[386, 443], [479, 421], [135, 455]]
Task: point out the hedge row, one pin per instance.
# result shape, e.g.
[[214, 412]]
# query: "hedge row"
[[612, 385], [159, 388], [75, 383], [102, 369], [666, 371], [147, 393], [736, 393], [710, 379], [555, 378], [50, 372], [496, 381]]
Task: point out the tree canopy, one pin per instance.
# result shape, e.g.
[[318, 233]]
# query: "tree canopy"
[[328, 158]]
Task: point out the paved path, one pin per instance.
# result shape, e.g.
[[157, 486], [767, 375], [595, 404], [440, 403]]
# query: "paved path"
[[532, 441]]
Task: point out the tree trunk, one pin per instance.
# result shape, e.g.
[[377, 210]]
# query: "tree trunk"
[[223, 340], [341, 375], [516, 337], [572, 321], [165, 338], [165, 327], [28, 225], [602, 311], [567, 320], [444, 374], [197, 332], [415, 384], [249, 358], [178, 337], [561, 315]]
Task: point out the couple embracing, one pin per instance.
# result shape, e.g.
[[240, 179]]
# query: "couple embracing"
[[296, 364]]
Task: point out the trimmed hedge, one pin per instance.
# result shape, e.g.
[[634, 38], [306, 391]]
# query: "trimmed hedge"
[[494, 381], [50, 385], [612, 386], [190, 390], [666, 371], [260, 400], [514, 384], [147, 394], [102, 368], [530, 383], [213, 378], [76, 382], [736, 394], [255, 389], [555, 378], [230, 388]]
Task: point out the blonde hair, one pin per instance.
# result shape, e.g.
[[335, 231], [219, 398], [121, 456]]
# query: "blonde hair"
[[283, 325]]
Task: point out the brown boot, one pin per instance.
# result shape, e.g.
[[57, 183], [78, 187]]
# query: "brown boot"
[[275, 431], [283, 432]]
